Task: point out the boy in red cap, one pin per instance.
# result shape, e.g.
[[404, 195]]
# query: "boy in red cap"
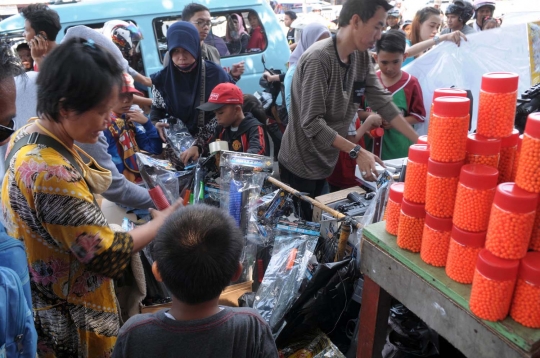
[[242, 131], [130, 132]]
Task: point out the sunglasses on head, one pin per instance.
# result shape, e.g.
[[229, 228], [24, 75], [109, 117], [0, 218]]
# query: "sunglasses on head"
[[7, 131]]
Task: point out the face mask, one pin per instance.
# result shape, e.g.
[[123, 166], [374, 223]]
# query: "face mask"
[[186, 68]]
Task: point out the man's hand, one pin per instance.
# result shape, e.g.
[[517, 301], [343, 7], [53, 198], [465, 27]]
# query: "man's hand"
[[136, 116], [238, 69], [38, 47], [160, 126], [270, 77], [366, 164], [190, 154]]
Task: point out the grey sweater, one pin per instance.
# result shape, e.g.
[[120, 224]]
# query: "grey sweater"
[[233, 332]]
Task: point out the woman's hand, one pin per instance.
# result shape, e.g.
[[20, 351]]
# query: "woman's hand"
[[160, 126], [161, 215], [191, 153], [366, 164], [455, 37], [136, 116]]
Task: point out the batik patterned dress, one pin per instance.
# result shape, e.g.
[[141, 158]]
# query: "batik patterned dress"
[[72, 253]]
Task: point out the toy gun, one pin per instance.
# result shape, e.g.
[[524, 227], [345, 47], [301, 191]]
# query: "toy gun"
[[527, 104]]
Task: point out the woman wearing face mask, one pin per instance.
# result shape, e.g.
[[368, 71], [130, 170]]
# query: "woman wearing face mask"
[[48, 203], [424, 34], [310, 34], [183, 85], [236, 36]]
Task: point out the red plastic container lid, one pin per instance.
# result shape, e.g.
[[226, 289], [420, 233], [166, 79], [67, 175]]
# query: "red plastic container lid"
[[520, 140], [451, 106], [419, 153], [496, 268], [512, 198], [529, 268], [479, 176], [444, 170], [532, 127], [500, 82], [510, 141], [412, 209], [438, 224], [396, 192], [467, 238], [480, 145], [448, 92], [422, 139], [377, 132]]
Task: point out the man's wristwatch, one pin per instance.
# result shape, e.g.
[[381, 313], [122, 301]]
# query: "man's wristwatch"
[[354, 152]]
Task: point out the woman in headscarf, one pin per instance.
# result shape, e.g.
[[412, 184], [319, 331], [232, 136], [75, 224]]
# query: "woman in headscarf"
[[236, 35], [310, 34], [183, 85]]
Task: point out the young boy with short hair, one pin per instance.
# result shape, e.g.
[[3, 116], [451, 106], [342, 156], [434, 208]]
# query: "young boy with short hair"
[[242, 131], [197, 253], [406, 95]]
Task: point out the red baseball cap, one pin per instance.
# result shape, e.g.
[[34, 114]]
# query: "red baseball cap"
[[223, 94], [128, 85]]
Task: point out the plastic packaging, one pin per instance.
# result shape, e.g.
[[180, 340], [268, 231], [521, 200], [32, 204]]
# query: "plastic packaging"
[[463, 254], [160, 179], [482, 150], [476, 189], [411, 226], [443, 92], [441, 188], [516, 159], [508, 154], [415, 178], [528, 171], [393, 208], [511, 221], [534, 243], [497, 104], [435, 240], [493, 286], [448, 129], [526, 302]]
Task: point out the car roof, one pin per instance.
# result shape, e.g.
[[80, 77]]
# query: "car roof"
[[90, 10]]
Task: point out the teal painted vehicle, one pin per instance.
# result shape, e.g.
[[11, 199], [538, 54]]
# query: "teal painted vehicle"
[[154, 16]]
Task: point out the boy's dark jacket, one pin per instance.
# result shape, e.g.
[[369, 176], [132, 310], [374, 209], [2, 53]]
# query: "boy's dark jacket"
[[250, 137]]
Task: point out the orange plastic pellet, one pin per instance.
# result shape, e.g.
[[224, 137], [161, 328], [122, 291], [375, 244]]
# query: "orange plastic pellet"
[[461, 262], [393, 210], [415, 182], [515, 166], [471, 212], [496, 113], [443, 92], [534, 243], [506, 163], [508, 233], [434, 249], [448, 138], [441, 196], [489, 160], [490, 299], [410, 232], [528, 171], [526, 304]]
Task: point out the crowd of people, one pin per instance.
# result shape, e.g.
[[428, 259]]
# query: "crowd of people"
[[74, 114]]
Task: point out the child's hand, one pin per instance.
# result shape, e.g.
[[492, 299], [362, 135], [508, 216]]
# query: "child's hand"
[[191, 153], [160, 126], [386, 125], [136, 116], [374, 121]]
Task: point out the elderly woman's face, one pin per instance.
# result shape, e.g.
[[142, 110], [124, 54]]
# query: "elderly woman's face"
[[182, 58]]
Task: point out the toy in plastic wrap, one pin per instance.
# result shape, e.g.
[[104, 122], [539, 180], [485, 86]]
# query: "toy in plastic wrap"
[[178, 141]]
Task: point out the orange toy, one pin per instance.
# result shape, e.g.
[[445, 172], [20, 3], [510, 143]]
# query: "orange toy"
[[393, 208], [441, 187], [493, 286], [435, 240], [463, 254], [497, 104], [534, 243], [516, 159], [511, 221], [526, 302], [443, 92], [415, 178], [411, 226], [448, 129], [508, 154], [474, 197], [528, 171], [482, 150]]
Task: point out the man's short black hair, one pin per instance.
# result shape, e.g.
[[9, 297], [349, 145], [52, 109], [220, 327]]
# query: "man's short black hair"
[[197, 252], [254, 106], [10, 65], [62, 84], [392, 41], [191, 9], [23, 46], [43, 18], [291, 14], [365, 9]]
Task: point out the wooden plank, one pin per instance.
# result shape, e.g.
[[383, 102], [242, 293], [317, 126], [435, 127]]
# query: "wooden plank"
[[374, 314], [525, 338]]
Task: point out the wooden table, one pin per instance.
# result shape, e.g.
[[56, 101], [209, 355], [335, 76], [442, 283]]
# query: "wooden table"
[[439, 301]]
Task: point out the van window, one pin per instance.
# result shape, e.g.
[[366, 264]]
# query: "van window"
[[228, 43]]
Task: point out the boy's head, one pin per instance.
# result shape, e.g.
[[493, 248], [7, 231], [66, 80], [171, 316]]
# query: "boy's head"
[[226, 102], [197, 253], [40, 20], [23, 51], [391, 52], [125, 99]]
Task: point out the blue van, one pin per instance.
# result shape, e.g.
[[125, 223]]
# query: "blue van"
[[153, 18]]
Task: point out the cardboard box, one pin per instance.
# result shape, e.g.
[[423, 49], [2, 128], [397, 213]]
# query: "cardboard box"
[[331, 198]]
